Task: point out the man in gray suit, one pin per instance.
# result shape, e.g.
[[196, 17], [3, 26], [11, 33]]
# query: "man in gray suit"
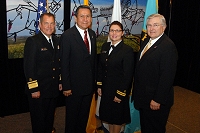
[[78, 63], [154, 76]]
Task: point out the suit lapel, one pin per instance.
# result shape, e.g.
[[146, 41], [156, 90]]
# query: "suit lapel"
[[92, 40], [141, 48], [105, 50], [55, 44], [79, 39], [115, 50], [151, 49], [45, 43]]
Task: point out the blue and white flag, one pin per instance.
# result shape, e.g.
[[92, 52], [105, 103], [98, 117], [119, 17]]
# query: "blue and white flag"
[[134, 126], [116, 14], [41, 9], [151, 8]]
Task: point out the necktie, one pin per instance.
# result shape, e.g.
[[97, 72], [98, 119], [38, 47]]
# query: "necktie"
[[51, 43], [111, 49], [86, 41], [146, 48], [112, 46]]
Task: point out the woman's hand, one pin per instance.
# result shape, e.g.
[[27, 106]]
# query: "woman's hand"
[[99, 91]]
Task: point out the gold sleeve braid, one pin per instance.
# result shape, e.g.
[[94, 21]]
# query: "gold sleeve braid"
[[32, 84], [121, 93], [99, 83]]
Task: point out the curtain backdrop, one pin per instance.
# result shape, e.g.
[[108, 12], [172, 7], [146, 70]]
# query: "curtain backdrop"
[[185, 27], [3, 55]]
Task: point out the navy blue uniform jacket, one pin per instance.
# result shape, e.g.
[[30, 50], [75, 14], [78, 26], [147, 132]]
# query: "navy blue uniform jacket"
[[41, 65]]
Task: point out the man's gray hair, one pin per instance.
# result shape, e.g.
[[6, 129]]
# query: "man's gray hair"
[[161, 17]]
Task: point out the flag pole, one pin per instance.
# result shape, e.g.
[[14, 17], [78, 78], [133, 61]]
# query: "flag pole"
[[170, 15], [47, 6], [91, 125], [116, 14], [151, 8], [86, 2], [42, 8]]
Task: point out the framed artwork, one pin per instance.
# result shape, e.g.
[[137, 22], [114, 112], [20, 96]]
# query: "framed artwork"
[[22, 18], [132, 12], [21, 22]]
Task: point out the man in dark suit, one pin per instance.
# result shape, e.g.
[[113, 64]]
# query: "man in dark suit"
[[41, 67], [154, 76], [78, 64]]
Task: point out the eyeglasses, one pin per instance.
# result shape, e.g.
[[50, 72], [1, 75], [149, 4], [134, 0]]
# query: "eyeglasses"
[[154, 25], [117, 31]]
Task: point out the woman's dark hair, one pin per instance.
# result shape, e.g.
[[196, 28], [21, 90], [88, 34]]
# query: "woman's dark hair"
[[116, 23]]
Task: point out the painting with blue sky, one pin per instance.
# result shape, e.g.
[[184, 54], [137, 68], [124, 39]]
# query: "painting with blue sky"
[[22, 14], [132, 14], [21, 22]]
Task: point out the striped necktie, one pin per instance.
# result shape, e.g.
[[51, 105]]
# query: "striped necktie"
[[86, 41], [146, 48]]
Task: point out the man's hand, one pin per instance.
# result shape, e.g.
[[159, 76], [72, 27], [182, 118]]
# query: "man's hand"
[[67, 93], [117, 100], [154, 105], [36, 94], [99, 91]]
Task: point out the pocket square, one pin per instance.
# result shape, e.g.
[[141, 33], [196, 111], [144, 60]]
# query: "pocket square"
[[43, 49]]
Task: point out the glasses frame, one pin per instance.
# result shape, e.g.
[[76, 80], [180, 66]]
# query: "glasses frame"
[[154, 25], [116, 31]]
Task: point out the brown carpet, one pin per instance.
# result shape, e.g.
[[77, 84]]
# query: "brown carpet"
[[184, 116], [185, 113]]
